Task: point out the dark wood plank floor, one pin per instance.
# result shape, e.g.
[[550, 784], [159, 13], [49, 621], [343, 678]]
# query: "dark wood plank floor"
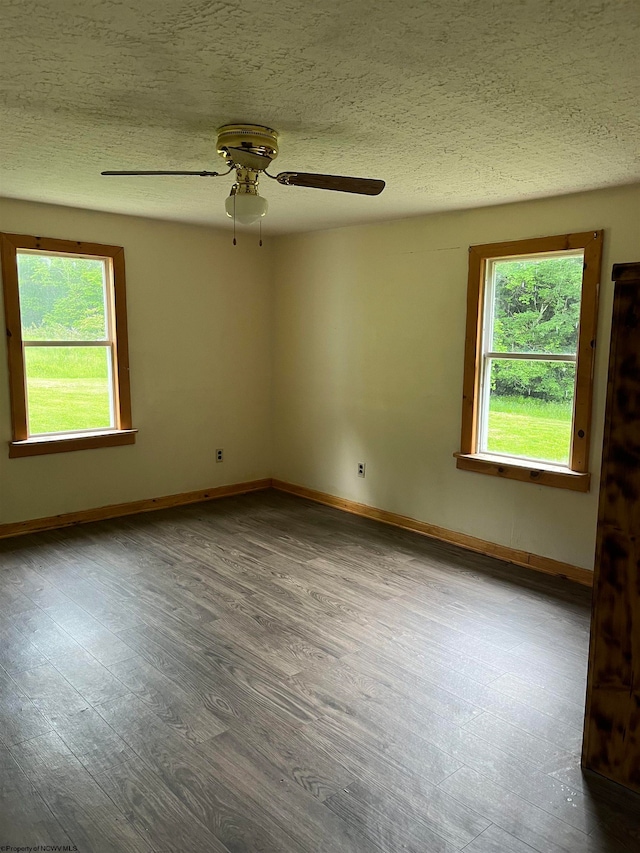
[[265, 674]]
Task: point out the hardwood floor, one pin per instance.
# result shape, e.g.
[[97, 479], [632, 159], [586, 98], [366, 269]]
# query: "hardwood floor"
[[266, 674]]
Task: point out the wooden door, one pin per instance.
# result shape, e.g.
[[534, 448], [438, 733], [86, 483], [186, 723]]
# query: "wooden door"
[[612, 722]]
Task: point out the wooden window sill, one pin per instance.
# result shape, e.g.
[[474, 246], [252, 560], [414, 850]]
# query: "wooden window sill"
[[42, 445], [526, 472]]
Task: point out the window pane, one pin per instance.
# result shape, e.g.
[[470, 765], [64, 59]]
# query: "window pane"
[[530, 409], [537, 304], [62, 298], [68, 388]]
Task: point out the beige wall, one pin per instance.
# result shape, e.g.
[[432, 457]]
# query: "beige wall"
[[363, 328], [199, 335], [369, 338]]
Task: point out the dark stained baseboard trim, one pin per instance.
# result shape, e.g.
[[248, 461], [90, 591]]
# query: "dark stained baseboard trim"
[[67, 519], [490, 549]]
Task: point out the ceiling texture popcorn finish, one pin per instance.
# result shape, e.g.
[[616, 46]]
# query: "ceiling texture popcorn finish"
[[455, 103]]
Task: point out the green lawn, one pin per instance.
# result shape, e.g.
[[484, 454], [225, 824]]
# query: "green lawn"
[[529, 427], [67, 389], [60, 405]]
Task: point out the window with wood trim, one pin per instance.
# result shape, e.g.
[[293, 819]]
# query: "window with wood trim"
[[66, 325], [531, 327]]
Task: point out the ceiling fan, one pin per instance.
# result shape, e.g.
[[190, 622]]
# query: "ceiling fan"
[[250, 149]]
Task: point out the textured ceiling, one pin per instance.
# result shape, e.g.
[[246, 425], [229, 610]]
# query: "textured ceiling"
[[455, 103]]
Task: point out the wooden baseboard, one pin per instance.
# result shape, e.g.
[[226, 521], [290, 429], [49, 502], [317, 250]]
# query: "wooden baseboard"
[[491, 549], [19, 528]]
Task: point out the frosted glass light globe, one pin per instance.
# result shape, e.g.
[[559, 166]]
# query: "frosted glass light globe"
[[249, 208]]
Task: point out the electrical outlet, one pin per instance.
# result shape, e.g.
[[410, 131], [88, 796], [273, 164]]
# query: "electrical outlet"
[[361, 469], [219, 455]]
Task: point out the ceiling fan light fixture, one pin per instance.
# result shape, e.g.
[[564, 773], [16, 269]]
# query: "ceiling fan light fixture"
[[249, 149], [248, 207]]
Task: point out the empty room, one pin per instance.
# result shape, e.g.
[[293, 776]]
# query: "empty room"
[[320, 489]]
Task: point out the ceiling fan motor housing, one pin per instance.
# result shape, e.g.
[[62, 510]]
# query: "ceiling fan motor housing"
[[252, 137]]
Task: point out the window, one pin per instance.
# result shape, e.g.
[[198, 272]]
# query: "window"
[[67, 345], [531, 328]]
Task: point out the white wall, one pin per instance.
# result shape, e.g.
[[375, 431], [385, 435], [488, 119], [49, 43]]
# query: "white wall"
[[199, 314], [368, 361]]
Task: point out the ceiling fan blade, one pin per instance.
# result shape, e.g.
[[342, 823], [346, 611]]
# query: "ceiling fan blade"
[[243, 157], [339, 183], [199, 174]]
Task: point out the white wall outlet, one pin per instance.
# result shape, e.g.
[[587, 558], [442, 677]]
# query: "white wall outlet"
[[219, 455], [362, 469]]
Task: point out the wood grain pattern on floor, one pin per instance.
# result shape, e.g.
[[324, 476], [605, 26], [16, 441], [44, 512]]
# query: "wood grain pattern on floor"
[[265, 674]]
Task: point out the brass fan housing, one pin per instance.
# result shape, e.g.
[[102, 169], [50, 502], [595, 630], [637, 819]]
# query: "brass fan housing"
[[253, 137]]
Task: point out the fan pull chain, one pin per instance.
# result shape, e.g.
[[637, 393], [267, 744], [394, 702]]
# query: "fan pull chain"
[[234, 220], [260, 224]]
